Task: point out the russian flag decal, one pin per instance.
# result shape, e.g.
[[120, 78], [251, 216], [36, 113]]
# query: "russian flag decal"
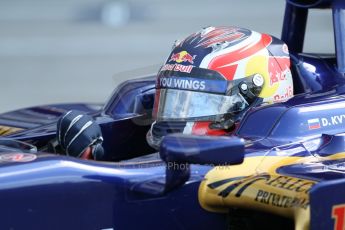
[[314, 123]]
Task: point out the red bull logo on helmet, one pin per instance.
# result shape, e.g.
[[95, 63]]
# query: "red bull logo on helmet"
[[182, 56]]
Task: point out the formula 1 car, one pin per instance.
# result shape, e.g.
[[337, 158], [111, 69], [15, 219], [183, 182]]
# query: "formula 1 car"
[[283, 168]]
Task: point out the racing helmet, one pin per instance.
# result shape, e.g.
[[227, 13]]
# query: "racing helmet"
[[212, 77]]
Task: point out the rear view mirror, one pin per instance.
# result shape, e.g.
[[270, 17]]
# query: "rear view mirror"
[[178, 151], [212, 150]]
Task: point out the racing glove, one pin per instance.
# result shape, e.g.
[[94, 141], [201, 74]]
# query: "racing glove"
[[76, 132]]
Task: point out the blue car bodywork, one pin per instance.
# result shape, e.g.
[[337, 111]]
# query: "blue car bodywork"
[[285, 159]]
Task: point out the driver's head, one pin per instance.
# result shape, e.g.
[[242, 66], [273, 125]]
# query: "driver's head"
[[213, 76]]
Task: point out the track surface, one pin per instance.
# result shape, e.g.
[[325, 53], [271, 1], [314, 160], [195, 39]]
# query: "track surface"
[[61, 51]]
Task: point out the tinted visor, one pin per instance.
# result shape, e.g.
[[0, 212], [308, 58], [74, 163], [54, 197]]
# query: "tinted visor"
[[183, 105], [196, 79], [195, 95]]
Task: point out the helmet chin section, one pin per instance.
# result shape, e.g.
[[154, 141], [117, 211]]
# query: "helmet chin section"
[[159, 130], [154, 142], [202, 128]]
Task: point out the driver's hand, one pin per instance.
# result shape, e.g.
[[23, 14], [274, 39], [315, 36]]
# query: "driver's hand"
[[79, 135]]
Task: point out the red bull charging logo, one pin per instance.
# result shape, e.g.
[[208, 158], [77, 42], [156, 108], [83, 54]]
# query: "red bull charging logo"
[[182, 56]]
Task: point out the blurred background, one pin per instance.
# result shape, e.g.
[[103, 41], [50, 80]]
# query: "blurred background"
[[71, 50]]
